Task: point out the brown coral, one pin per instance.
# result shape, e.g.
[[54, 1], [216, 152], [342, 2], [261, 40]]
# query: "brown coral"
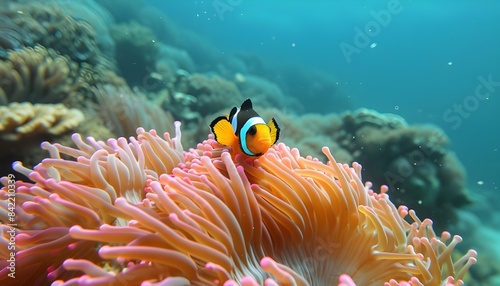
[[22, 120], [47, 23], [136, 53], [412, 159], [11, 36], [37, 75], [211, 93]]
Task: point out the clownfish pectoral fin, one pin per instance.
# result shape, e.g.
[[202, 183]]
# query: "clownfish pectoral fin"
[[223, 131], [275, 130]]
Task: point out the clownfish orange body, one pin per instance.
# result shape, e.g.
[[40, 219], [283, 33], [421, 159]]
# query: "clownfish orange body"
[[245, 131]]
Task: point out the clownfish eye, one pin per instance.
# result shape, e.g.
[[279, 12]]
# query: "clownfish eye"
[[252, 130]]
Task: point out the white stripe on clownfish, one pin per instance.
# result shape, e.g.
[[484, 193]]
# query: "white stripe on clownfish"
[[234, 121], [243, 133]]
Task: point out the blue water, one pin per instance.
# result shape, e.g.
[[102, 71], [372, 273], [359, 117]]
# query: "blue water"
[[418, 62]]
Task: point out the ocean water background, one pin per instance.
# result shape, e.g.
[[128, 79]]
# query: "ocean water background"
[[418, 59]]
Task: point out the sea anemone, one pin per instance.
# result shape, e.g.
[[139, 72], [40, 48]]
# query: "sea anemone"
[[143, 211]]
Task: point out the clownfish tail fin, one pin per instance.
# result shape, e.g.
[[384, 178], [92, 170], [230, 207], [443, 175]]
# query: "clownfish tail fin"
[[275, 130]]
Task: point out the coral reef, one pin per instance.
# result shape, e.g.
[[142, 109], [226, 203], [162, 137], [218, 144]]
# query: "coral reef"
[[136, 53], [412, 160], [205, 54], [22, 120], [142, 210], [192, 98], [266, 92], [210, 93], [174, 59], [37, 75], [11, 36], [123, 10], [482, 232], [94, 14], [40, 75], [24, 125], [47, 24]]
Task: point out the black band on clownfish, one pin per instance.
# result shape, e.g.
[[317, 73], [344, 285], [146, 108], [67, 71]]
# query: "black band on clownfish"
[[245, 131]]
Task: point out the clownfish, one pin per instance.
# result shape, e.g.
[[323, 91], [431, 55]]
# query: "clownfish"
[[245, 131]]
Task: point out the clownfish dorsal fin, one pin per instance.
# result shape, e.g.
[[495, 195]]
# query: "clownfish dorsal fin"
[[223, 131], [247, 104], [275, 130]]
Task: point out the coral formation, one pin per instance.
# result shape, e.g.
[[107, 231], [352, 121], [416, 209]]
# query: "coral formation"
[[481, 231], [37, 75], [40, 75], [192, 97], [47, 24], [22, 120], [412, 160], [123, 10], [141, 210], [11, 36], [211, 93], [174, 59], [265, 91], [91, 12], [136, 52]]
